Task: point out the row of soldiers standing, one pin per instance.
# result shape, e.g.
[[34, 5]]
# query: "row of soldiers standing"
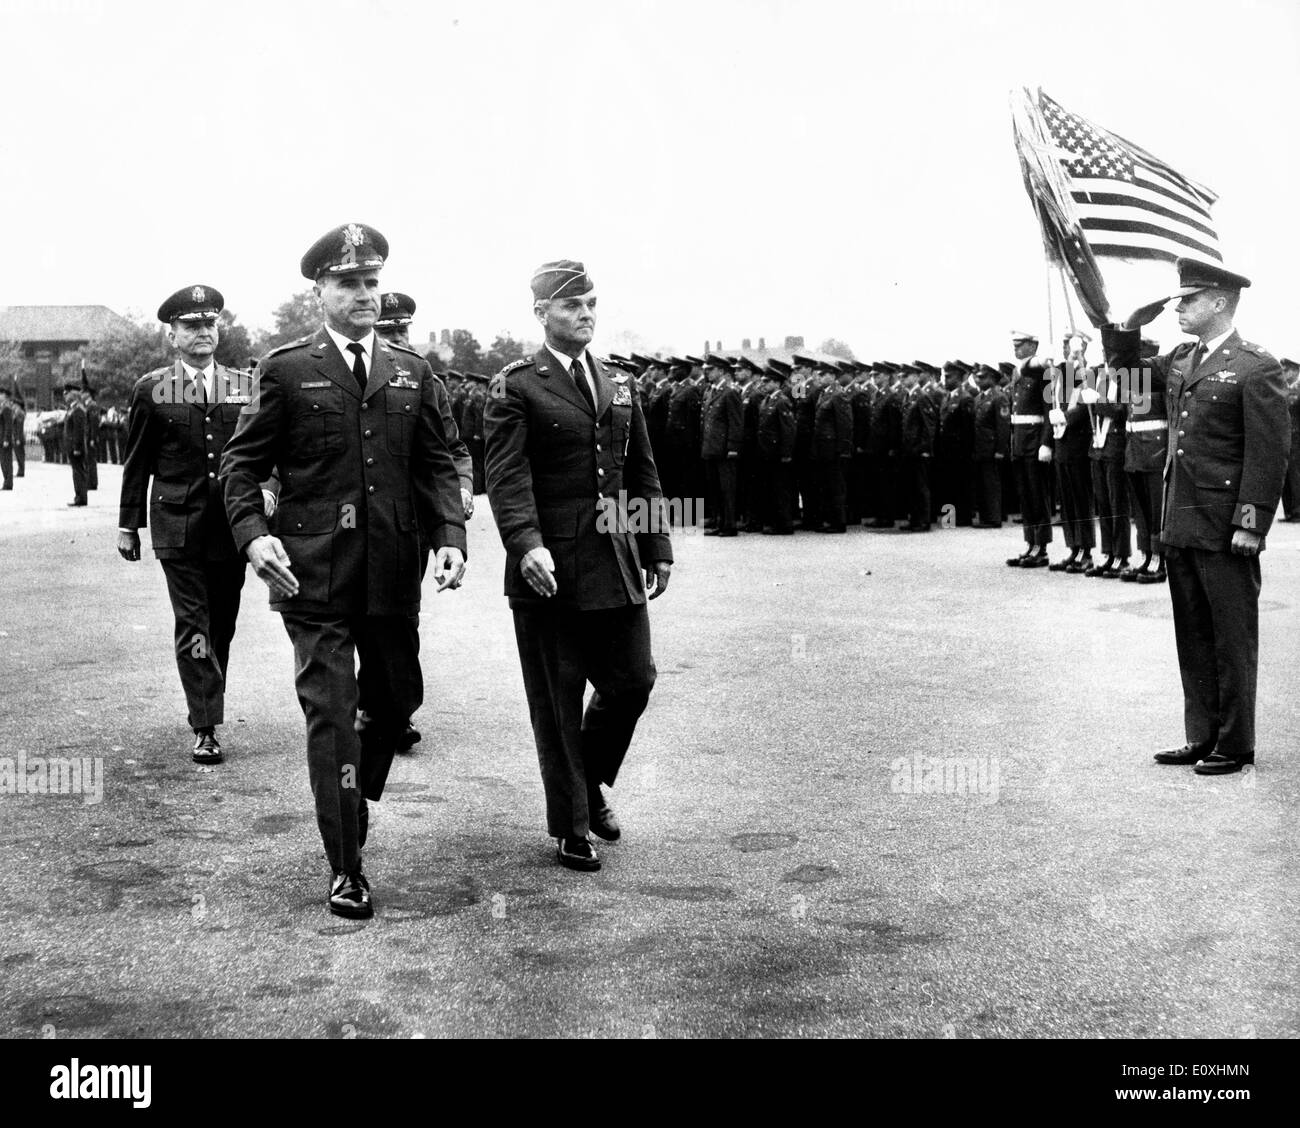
[[825, 443]]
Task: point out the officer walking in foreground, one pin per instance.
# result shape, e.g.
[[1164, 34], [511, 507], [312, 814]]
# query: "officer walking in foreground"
[[1229, 438], [180, 419], [576, 495], [353, 425]]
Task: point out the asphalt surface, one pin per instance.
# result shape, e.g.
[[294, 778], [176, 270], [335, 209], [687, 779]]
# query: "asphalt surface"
[[789, 867]]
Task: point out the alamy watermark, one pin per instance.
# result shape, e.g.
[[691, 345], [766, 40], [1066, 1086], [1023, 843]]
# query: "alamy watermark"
[[946, 775], [640, 515], [53, 775]]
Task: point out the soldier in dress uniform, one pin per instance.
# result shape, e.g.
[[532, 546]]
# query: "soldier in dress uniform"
[[992, 445], [861, 393], [1071, 439], [920, 423], [776, 441], [832, 445], [7, 432], [1229, 438], [682, 441], [656, 414], [1291, 490], [94, 420], [353, 425], [75, 441], [1102, 396], [573, 485], [1031, 451], [720, 443], [750, 505], [18, 406], [472, 416], [883, 440], [180, 419], [1146, 446], [955, 448], [805, 387]]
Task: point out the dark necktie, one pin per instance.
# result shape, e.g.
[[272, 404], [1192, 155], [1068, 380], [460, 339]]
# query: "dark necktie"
[[358, 365], [579, 374], [1198, 355]]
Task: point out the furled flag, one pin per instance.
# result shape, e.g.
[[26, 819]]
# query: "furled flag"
[[1100, 196]]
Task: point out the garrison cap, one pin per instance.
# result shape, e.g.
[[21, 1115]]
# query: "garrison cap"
[[563, 278], [192, 303], [396, 309], [1193, 277], [71, 386], [351, 247]]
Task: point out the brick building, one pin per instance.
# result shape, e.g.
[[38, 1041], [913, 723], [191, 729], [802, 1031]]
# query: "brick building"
[[50, 340]]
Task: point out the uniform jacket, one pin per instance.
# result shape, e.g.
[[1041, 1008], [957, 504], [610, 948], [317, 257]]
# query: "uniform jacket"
[[1146, 448], [175, 438], [992, 421], [1028, 398], [920, 424], [832, 425], [805, 418], [751, 404], [583, 486], [682, 425], [657, 414], [723, 422], [7, 428], [362, 475], [1108, 440], [776, 427], [957, 424], [863, 400], [1229, 437], [886, 423], [75, 429]]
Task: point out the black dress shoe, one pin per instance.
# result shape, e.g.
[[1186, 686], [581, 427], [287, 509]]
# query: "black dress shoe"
[[1188, 754], [76, 503], [1036, 560], [1157, 577], [1015, 561], [1114, 570], [601, 819], [712, 532], [207, 750], [1219, 763], [350, 895], [723, 533], [1080, 567], [1063, 565], [1096, 569], [408, 739], [363, 821], [1130, 574], [577, 854]]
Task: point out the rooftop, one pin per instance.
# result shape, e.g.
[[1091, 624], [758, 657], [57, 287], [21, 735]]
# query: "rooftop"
[[57, 323]]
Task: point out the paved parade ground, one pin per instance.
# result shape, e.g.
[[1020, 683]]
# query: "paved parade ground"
[[885, 787]]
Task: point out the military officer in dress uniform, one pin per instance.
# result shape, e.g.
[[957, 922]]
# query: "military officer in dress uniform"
[[682, 441], [1102, 395], [75, 440], [1070, 440], [992, 446], [920, 421], [1146, 433], [955, 447], [883, 441], [576, 495], [180, 419], [805, 387], [832, 444], [353, 426], [18, 407], [722, 435], [750, 505], [1229, 438], [1031, 451], [94, 441], [1291, 490], [777, 430]]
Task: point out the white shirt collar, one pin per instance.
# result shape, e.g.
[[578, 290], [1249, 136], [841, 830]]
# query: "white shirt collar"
[[196, 373], [367, 344], [567, 361], [1213, 345]]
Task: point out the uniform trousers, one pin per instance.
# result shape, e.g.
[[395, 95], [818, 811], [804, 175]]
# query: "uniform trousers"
[[1033, 486], [831, 491], [883, 482], [1110, 493], [988, 490], [1075, 481], [92, 465], [1146, 486], [1215, 598], [344, 765], [914, 482], [20, 449], [805, 470], [778, 496], [560, 650], [205, 603], [722, 477], [78, 464], [957, 488], [7, 467]]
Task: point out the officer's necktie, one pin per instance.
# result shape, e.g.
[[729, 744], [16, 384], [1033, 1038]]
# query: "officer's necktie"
[[1198, 355], [579, 373], [358, 365]]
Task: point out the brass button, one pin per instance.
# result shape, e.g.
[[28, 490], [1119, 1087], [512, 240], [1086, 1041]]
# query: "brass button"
[[370, 489], [600, 471], [300, 524], [597, 446], [1227, 481], [211, 455], [370, 461], [1184, 415], [209, 438], [315, 407], [1180, 452], [367, 434], [364, 405], [406, 407], [211, 474]]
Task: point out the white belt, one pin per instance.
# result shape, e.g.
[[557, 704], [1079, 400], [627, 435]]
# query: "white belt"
[[1024, 420], [1149, 425]]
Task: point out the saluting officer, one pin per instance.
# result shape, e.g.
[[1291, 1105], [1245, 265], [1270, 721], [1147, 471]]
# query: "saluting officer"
[[576, 496], [1229, 438], [181, 417], [353, 425], [777, 431]]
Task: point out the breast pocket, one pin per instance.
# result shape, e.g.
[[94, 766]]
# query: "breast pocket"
[[402, 408], [317, 420], [620, 432]]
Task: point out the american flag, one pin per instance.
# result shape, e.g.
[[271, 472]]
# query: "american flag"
[[1130, 204]]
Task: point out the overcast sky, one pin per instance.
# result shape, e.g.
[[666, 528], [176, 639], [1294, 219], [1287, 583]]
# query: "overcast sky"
[[726, 169]]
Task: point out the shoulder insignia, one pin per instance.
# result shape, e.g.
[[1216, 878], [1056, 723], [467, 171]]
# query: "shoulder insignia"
[[619, 378], [514, 365], [406, 349], [299, 343]]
